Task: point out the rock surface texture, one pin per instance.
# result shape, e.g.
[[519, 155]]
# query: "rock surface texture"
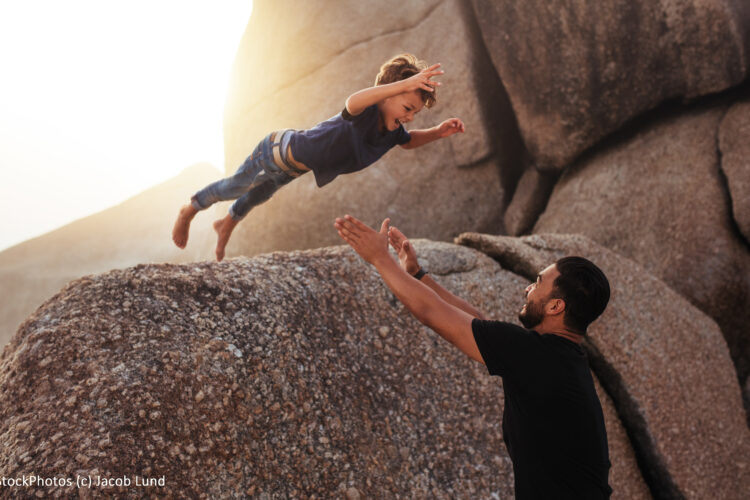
[[286, 375], [313, 61], [664, 363], [659, 197], [734, 144], [136, 231], [576, 71], [298, 375]]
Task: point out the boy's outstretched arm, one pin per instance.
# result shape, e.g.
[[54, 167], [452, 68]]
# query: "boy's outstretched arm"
[[450, 322], [446, 129], [363, 99]]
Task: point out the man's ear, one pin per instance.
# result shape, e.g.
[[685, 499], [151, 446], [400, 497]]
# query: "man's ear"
[[554, 307]]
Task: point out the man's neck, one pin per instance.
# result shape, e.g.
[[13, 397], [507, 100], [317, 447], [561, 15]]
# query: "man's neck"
[[560, 332], [573, 337]]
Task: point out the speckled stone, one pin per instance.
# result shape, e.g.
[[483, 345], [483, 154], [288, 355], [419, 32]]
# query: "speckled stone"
[[577, 71], [664, 363], [286, 375], [659, 198], [458, 183], [734, 143]]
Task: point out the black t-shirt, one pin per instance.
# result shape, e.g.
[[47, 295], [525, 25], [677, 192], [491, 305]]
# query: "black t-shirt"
[[553, 424]]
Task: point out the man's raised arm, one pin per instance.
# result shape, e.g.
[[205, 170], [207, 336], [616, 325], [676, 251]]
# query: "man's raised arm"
[[449, 321], [407, 257]]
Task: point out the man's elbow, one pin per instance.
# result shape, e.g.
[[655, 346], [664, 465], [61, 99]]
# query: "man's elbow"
[[407, 145], [424, 313]]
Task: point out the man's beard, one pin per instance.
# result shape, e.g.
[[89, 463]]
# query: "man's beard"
[[532, 316]]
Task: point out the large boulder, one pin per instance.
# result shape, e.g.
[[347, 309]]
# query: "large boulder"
[[576, 71], [734, 145], [529, 200], [287, 375], [135, 231], [293, 71], [658, 196], [663, 362]]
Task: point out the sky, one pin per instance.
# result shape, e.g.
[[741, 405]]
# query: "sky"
[[100, 100]]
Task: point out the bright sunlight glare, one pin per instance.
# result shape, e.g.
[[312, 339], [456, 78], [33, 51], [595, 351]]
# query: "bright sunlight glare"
[[101, 100]]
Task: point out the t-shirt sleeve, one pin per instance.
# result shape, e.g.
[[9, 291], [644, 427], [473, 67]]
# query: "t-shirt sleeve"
[[403, 136], [504, 346], [364, 115]]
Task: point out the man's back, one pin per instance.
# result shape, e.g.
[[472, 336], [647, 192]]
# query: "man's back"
[[553, 424]]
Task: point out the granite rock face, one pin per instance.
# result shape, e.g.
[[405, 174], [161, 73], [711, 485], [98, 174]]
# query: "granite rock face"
[[734, 146], [529, 200], [136, 231], [312, 61], [284, 375], [664, 363], [576, 71], [659, 198]]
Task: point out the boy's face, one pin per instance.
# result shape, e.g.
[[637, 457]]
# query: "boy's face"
[[399, 109]]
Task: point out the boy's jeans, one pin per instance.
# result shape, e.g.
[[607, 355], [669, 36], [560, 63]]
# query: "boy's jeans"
[[255, 181]]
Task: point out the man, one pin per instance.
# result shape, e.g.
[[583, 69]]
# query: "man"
[[553, 425]]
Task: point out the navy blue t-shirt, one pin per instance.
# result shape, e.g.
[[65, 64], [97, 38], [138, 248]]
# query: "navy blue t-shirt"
[[553, 424], [344, 144]]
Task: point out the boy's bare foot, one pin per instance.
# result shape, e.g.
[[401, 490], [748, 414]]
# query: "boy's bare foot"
[[223, 228], [182, 225]]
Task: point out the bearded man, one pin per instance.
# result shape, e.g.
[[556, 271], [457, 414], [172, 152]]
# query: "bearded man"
[[553, 425]]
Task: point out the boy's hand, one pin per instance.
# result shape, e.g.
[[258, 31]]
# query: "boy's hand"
[[422, 79], [406, 254], [450, 126], [372, 246]]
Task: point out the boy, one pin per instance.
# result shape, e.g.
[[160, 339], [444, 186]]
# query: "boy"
[[371, 123]]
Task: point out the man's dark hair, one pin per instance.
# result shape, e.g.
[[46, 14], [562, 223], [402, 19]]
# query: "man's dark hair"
[[585, 290]]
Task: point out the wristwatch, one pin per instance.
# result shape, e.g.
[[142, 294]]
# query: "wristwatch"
[[420, 274]]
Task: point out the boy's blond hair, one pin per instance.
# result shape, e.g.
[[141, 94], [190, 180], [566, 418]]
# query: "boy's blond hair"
[[402, 67]]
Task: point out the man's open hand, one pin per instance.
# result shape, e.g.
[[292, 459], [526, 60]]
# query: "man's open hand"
[[406, 254], [371, 245]]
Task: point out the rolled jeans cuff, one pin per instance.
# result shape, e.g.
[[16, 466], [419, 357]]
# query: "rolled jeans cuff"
[[234, 216], [195, 204]]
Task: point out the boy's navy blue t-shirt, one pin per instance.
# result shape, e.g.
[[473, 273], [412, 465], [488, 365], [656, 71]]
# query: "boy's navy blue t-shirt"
[[344, 144], [553, 424]]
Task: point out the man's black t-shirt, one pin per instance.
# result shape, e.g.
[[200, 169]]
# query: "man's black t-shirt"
[[553, 424]]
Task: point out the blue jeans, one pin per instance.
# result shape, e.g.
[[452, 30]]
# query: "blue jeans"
[[261, 175]]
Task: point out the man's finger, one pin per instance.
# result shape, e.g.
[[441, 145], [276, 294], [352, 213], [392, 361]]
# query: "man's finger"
[[342, 227], [358, 224], [349, 234], [384, 226], [350, 226], [398, 233], [348, 240]]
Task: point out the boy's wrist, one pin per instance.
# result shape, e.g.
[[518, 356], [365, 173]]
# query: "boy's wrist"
[[398, 87]]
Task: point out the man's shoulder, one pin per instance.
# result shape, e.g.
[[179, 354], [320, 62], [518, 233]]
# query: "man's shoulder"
[[496, 327], [503, 345]]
